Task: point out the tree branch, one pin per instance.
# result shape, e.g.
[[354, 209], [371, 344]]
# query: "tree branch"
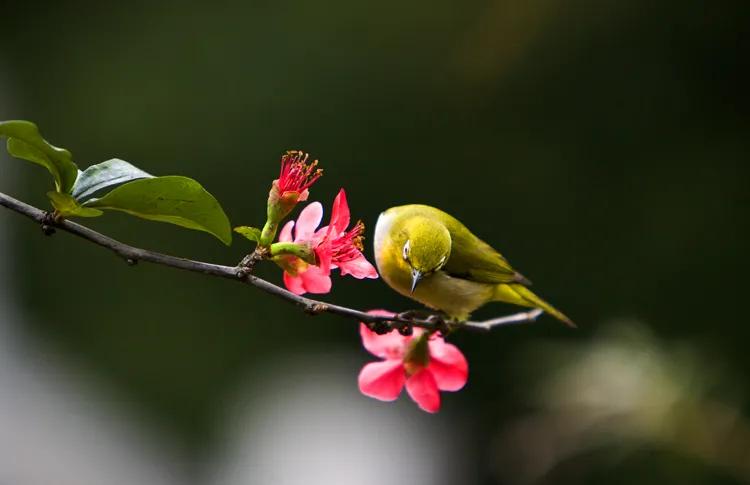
[[240, 274]]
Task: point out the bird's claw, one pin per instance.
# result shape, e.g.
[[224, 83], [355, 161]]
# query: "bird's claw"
[[441, 324], [436, 321], [414, 315]]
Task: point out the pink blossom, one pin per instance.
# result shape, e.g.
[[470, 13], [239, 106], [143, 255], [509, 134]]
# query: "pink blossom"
[[345, 247], [296, 176], [333, 245], [423, 369], [299, 276], [292, 186]]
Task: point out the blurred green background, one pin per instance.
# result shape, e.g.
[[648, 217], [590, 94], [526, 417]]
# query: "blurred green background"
[[601, 145]]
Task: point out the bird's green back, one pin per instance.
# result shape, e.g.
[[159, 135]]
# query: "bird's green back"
[[470, 258]]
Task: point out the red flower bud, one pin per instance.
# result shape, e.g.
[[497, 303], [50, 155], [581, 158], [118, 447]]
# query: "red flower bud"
[[295, 178]]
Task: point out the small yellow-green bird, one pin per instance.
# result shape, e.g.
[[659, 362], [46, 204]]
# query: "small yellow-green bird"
[[431, 257]]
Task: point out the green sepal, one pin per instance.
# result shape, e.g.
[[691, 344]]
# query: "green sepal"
[[302, 251], [278, 208], [174, 199], [418, 352], [67, 206], [291, 264], [25, 142], [251, 233]]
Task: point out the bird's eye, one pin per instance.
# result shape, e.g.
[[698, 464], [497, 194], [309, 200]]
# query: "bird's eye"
[[406, 251]]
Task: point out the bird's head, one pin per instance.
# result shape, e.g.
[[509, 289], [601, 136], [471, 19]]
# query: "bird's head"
[[426, 247]]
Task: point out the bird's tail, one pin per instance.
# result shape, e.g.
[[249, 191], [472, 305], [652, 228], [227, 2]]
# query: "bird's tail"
[[520, 295]]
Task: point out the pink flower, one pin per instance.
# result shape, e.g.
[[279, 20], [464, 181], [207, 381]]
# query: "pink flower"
[[334, 247], [424, 363], [299, 276], [295, 178], [297, 175], [345, 247]]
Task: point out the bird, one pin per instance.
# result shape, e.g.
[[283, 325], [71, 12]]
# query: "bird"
[[431, 257]]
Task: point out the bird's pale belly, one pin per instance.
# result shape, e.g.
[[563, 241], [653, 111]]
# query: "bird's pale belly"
[[454, 296]]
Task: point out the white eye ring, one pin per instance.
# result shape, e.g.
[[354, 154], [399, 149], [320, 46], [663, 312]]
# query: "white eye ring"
[[406, 250]]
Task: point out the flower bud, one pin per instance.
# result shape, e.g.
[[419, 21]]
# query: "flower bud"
[[296, 177]]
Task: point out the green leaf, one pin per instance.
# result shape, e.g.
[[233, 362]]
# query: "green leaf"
[[252, 233], [174, 199], [25, 142], [67, 206], [104, 175]]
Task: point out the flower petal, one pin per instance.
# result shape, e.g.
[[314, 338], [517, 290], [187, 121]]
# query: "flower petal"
[[390, 345], [320, 235], [321, 232], [308, 221], [423, 390], [382, 380], [339, 214], [316, 280], [358, 268], [324, 256], [294, 284], [448, 365], [285, 235]]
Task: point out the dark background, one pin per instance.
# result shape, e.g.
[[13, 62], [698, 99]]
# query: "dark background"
[[602, 146]]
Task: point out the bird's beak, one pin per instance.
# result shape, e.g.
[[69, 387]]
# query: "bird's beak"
[[416, 277]]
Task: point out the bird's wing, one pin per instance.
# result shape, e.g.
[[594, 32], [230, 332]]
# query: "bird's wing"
[[475, 260]]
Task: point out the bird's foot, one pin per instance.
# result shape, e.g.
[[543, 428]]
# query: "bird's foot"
[[415, 314], [442, 324], [434, 320]]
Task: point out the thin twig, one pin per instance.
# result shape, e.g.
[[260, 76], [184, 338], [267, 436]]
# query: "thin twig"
[[239, 273]]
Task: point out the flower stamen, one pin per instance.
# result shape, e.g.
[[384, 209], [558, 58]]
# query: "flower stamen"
[[349, 245], [297, 175]]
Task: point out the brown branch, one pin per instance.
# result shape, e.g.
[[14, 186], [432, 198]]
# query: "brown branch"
[[240, 274]]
